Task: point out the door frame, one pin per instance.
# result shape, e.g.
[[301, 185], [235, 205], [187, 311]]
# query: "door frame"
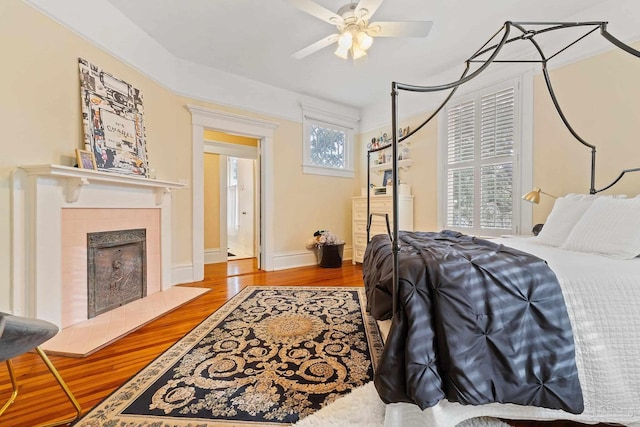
[[226, 150], [204, 118]]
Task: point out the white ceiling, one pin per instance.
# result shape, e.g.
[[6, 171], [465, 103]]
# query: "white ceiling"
[[255, 38]]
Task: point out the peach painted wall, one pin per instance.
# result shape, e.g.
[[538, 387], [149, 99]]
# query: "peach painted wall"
[[599, 97], [211, 201], [76, 223], [212, 135]]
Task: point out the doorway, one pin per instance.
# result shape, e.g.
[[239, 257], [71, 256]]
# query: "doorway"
[[232, 197], [240, 183], [203, 119]]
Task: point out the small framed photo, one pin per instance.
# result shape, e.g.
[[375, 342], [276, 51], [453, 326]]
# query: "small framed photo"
[[86, 159], [386, 178]]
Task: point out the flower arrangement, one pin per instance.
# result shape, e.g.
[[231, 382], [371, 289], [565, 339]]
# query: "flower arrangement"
[[324, 238]]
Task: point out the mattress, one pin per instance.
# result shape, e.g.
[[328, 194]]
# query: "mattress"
[[602, 296]]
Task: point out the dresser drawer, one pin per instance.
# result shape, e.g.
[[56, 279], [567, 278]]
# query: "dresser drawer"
[[379, 205], [360, 240], [362, 216], [385, 206], [377, 227]]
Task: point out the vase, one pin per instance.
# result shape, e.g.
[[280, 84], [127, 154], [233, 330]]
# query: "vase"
[[330, 255]]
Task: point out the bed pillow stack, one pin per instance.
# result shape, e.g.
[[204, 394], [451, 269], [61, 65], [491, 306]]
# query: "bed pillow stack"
[[609, 227], [564, 216], [605, 225]]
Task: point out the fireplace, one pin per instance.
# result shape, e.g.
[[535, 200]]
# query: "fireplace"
[[116, 269], [54, 208]]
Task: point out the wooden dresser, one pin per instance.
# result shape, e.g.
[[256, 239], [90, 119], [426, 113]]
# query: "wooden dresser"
[[379, 204]]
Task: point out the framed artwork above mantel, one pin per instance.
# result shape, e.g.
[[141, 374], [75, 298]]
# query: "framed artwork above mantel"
[[112, 115]]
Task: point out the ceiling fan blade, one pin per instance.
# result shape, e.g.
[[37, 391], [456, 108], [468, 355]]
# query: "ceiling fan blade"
[[400, 28], [320, 12], [312, 48], [370, 5]]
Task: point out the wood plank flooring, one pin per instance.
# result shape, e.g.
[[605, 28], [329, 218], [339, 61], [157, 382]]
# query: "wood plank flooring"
[[93, 378]]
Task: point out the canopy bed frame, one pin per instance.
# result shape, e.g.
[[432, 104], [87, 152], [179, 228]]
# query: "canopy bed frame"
[[528, 32], [486, 55]]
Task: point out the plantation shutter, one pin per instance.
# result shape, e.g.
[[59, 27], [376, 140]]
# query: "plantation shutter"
[[497, 122], [480, 161], [460, 153]]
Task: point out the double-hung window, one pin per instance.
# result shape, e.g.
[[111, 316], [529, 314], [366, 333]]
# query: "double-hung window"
[[481, 169], [328, 142]]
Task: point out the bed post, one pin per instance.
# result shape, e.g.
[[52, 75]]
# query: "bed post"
[[368, 194], [395, 245]]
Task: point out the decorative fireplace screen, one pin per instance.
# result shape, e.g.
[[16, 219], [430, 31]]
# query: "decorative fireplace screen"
[[116, 269]]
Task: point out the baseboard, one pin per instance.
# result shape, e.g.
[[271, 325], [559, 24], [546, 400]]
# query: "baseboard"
[[212, 256], [182, 274], [287, 260]]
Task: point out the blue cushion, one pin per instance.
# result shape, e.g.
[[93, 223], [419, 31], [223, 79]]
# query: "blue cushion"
[[20, 334]]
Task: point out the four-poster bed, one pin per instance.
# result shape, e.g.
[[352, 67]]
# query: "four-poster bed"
[[498, 329]]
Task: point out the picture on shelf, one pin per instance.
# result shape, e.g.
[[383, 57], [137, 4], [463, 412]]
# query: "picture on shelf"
[[386, 178], [86, 159]]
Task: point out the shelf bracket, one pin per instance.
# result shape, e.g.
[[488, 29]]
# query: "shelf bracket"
[[73, 188], [160, 193]]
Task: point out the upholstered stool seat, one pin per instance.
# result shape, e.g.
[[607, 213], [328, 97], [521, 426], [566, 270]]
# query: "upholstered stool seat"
[[19, 335]]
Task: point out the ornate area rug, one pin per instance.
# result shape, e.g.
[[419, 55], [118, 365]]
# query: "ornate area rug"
[[269, 356]]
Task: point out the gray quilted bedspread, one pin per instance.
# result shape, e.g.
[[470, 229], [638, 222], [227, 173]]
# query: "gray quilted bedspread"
[[477, 323]]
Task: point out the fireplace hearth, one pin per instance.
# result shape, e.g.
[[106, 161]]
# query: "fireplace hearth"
[[116, 269]]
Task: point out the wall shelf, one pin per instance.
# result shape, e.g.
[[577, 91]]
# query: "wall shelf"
[[386, 166]]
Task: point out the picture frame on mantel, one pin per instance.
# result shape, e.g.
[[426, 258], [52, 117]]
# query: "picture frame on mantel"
[[113, 119], [86, 159]]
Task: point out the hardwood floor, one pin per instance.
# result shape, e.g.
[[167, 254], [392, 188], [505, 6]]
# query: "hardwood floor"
[[93, 378]]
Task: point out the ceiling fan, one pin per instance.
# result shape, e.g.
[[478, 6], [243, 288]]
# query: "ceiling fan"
[[355, 32]]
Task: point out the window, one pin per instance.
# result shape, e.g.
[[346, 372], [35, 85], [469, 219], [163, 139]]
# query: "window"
[[328, 140], [481, 170]]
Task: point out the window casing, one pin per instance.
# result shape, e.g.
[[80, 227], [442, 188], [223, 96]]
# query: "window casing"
[[328, 143], [481, 170]]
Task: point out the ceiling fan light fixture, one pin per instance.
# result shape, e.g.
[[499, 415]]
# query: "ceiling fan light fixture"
[[364, 40], [357, 52], [342, 52], [346, 40], [354, 31]]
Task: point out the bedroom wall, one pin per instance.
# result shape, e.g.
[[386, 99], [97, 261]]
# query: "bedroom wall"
[[600, 97], [40, 109], [41, 123]]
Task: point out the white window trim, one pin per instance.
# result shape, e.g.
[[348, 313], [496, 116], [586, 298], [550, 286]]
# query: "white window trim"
[[523, 162], [332, 116]]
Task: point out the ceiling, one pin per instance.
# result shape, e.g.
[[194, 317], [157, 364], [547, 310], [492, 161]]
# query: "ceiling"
[[255, 38]]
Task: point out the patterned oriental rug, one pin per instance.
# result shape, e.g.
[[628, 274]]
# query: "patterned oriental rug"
[[269, 356]]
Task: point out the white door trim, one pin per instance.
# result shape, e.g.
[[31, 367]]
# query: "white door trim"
[[205, 118], [231, 150], [225, 150]]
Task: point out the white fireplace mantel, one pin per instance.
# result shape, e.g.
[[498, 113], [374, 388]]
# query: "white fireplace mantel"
[[77, 178], [39, 195]]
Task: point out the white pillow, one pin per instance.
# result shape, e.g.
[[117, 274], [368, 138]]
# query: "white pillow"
[[609, 227], [565, 214]]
